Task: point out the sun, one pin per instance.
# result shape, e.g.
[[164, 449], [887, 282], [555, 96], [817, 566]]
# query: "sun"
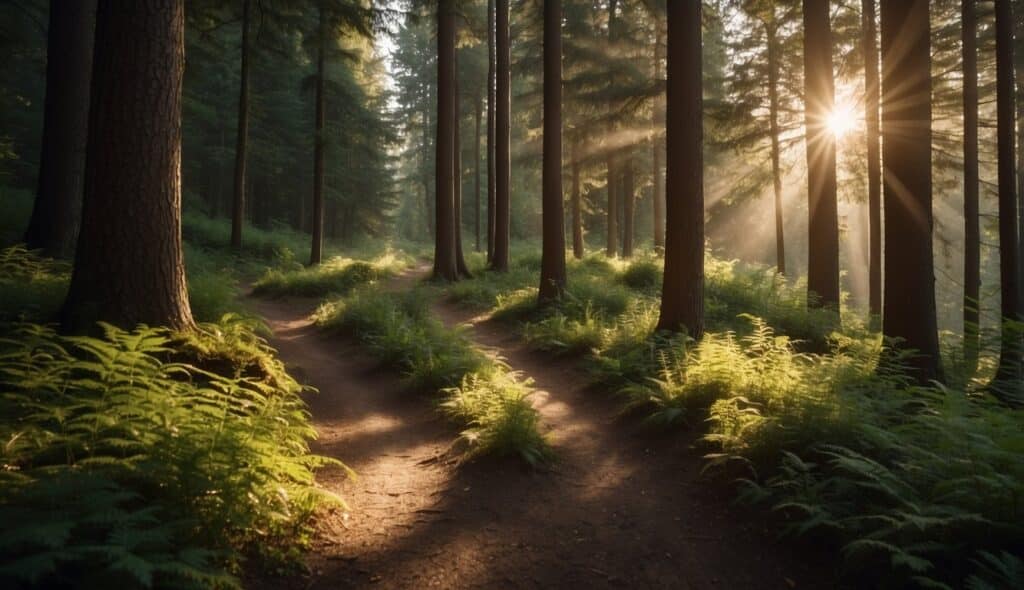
[[842, 119]]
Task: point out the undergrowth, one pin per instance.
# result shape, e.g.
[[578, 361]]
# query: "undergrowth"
[[336, 276], [488, 400]]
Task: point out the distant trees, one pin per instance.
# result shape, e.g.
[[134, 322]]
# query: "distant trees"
[[552, 272], [317, 225], [502, 156], [128, 265], [972, 229], [909, 299], [869, 45], [822, 205], [56, 211], [682, 299], [445, 264], [241, 134]]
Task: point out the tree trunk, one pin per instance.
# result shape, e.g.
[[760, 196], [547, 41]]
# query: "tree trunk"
[[822, 207], [476, 168], [659, 120], [552, 268], [1009, 372], [972, 230], [577, 208], [242, 137], [445, 264], [316, 250], [460, 259], [908, 314], [491, 98], [128, 265], [57, 210], [612, 246], [502, 221], [871, 90], [628, 207], [776, 150], [427, 201], [682, 298]]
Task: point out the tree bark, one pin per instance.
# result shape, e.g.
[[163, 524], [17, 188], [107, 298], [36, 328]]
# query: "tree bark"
[[908, 314], [502, 221], [476, 137], [682, 298], [776, 150], [128, 265], [1009, 371], [577, 206], [628, 208], [57, 210], [656, 147], [612, 246], [972, 230], [822, 206], [316, 250], [552, 268], [242, 137], [460, 259], [871, 90], [445, 264], [491, 98]]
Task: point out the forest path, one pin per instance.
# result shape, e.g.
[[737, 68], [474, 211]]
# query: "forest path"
[[620, 508]]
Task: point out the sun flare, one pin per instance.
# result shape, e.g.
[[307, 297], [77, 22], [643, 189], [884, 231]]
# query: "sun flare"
[[842, 120]]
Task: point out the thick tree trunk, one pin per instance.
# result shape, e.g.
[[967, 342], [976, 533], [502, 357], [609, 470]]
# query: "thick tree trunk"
[[128, 265], [57, 211], [491, 98], [656, 147], [972, 230], [682, 298], [628, 208], [577, 206], [1009, 372], [460, 259], [316, 250], [776, 150], [908, 314], [476, 168], [871, 90], [445, 264], [822, 206], [242, 137], [502, 221], [552, 268]]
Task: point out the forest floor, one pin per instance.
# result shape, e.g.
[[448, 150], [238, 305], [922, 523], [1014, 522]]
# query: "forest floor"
[[621, 507]]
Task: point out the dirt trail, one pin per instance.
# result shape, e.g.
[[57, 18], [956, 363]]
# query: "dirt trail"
[[621, 508]]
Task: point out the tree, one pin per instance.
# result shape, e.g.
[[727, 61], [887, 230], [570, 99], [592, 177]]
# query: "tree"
[[908, 314], [128, 265], [577, 206], [611, 166], [242, 134], [682, 298], [871, 90], [972, 230], [460, 259], [822, 206], [317, 225], [445, 263], [1009, 247], [502, 168], [658, 116], [56, 211], [491, 140], [552, 269]]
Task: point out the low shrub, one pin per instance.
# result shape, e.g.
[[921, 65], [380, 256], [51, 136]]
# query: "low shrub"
[[336, 276]]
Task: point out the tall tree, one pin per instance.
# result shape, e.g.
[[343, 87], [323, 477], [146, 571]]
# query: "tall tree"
[[612, 246], [628, 207], [503, 96], [972, 230], [908, 314], [460, 258], [316, 250], [128, 265], [552, 269], [1009, 247], [871, 95], [57, 209], [774, 68], [491, 140], [577, 205], [822, 205], [478, 115], [682, 298], [445, 263], [242, 134], [658, 115]]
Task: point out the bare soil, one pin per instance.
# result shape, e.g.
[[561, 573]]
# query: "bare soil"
[[621, 508]]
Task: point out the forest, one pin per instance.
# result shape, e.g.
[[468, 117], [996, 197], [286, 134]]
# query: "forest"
[[512, 294]]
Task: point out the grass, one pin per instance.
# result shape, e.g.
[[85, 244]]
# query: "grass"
[[336, 276], [481, 394], [920, 486]]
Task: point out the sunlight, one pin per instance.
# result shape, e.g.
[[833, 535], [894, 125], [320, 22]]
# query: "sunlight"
[[842, 120]]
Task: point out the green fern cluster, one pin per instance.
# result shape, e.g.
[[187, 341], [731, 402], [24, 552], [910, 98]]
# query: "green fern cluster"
[[477, 392], [121, 466], [32, 287], [336, 276]]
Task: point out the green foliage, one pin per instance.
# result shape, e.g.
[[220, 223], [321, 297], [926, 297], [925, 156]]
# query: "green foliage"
[[121, 466], [336, 276], [32, 287], [477, 392]]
